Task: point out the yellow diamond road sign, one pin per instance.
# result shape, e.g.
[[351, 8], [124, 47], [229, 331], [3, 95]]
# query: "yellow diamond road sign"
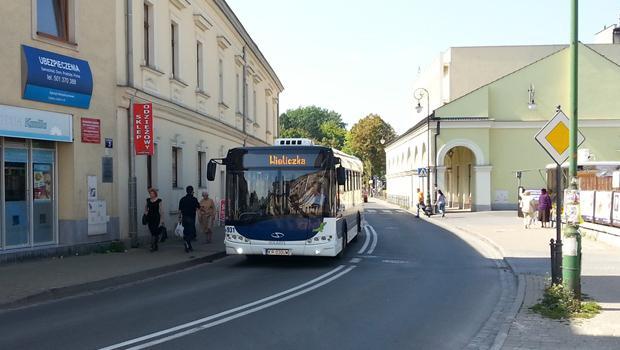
[[554, 137]]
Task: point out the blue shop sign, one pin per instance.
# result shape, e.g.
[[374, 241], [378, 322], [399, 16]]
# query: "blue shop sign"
[[57, 79]]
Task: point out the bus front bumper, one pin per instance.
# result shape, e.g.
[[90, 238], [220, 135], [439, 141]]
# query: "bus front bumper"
[[288, 249]]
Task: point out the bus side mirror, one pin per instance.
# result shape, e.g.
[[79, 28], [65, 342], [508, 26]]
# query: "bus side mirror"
[[211, 167], [340, 176]]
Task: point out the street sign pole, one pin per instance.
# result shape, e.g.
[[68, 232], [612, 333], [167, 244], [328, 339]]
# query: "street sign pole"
[[571, 260]]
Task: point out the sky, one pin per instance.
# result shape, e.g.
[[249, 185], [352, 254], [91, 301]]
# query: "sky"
[[358, 57]]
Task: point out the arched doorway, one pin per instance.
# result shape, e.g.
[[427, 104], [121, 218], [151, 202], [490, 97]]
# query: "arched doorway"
[[459, 183]]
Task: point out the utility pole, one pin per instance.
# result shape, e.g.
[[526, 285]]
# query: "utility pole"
[[571, 260]]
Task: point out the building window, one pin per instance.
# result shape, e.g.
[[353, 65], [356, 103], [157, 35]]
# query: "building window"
[[176, 166], [254, 112], [221, 80], [53, 19], [199, 67], [202, 169], [148, 35], [174, 35], [266, 116], [237, 94]]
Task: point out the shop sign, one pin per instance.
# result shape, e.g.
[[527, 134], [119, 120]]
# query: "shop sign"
[[143, 128], [58, 79], [35, 124], [91, 130], [222, 210]]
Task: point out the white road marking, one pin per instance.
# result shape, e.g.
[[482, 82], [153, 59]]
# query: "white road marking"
[[371, 210], [355, 260], [366, 240], [241, 314], [374, 242], [227, 312], [386, 211]]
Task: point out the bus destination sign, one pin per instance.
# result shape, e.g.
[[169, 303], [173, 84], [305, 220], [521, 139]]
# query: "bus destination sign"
[[270, 160], [286, 160]]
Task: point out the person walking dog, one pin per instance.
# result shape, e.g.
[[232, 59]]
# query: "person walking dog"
[[154, 217], [187, 217]]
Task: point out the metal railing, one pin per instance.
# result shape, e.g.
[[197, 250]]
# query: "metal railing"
[[401, 201]]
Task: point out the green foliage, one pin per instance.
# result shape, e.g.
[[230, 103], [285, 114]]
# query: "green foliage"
[[334, 134], [364, 139], [560, 303], [323, 126]]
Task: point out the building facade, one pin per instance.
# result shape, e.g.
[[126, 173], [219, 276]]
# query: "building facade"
[[210, 87], [479, 142], [57, 98], [73, 71]]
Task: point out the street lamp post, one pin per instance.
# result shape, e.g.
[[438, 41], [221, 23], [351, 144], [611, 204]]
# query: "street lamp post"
[[418, 94]]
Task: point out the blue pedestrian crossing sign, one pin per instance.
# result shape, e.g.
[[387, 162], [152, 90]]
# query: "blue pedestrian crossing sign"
[[422, 172]]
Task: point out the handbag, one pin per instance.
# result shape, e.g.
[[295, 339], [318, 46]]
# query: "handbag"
[[163, 233], [178, 231], [144, 219]]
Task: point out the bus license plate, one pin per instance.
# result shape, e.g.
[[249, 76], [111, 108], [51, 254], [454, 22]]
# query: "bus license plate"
[[278, 252]]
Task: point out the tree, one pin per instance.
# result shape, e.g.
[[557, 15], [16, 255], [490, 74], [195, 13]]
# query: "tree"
[[323, 126], [334, 135], [364, 141]]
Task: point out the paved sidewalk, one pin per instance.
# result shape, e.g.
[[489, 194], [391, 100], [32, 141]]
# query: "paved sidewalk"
[[40, 280], [527, 252]]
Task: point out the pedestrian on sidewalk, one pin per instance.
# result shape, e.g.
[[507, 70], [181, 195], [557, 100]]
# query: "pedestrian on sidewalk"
[[420, 204], [441, 203], [206, 215], [529, 206], [154, 217], [544, 207], [188, 206]]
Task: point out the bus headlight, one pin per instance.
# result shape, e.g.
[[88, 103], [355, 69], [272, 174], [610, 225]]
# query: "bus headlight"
[[317, 251], [239, 250]]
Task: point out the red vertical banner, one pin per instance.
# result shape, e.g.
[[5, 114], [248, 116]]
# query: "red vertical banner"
[[143, 128]]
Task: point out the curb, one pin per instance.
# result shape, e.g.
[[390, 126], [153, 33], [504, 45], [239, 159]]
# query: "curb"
[[112, 282]]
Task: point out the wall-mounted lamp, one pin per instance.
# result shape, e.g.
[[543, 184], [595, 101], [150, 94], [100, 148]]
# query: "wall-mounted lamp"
[[531, 104]]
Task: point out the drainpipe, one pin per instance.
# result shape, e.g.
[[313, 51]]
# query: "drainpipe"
[[244, 94], [437, 133], [132, 204]]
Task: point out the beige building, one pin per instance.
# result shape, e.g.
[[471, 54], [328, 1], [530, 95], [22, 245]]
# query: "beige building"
[[479, 137], [211, 89], [73, 69], [57, 96]]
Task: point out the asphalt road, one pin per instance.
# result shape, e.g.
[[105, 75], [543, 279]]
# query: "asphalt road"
[[404, 284]]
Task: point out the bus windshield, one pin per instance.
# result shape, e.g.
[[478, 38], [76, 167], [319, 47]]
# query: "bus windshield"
[[256, 195]]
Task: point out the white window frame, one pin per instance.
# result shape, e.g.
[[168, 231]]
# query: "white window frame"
[[174, 51], [150, 35], [72, 28], [220, 68], [200, 71]]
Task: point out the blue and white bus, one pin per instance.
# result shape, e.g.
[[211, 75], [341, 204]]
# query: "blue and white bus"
[[293, 198]]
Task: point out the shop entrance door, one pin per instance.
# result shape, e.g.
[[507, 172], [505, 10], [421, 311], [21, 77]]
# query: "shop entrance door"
[[43, 196], [16, 209]]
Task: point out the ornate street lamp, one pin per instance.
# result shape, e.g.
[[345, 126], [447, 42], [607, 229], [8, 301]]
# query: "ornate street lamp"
[[418, 94]]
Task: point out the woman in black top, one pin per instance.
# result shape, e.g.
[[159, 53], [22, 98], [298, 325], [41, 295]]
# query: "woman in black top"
[[154, 216]]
